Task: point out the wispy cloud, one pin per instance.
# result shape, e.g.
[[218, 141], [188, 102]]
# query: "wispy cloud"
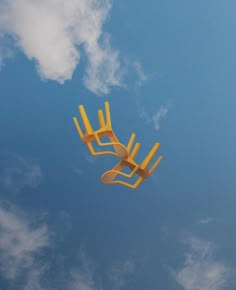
[[20, 242], [34, 279], [23, 245], [141, 75], [156, 118], [81, 280], [85, 277], [205, 221], [17, 173], [26, 244], [53, 33], [22, 237], [5, 52], [152, 118], [201, 270], [120, 273]]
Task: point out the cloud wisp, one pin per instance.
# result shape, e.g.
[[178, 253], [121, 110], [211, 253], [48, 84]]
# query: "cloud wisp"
[[154, 119], [17, 173], [205, 221], [54, 33], [25, 248], [141, 75], [85, 278], [120, 273], [201, 270], [20, 242], [28, 252]]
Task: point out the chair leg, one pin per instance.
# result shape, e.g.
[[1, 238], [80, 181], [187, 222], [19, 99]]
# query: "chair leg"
[[149, 157], [131, 141], [155, 165], [85, 120], [78, 128], [101, 119], [135, 151], [108, 116]]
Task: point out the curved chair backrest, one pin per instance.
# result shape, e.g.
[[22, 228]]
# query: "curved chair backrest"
[[109, 177]]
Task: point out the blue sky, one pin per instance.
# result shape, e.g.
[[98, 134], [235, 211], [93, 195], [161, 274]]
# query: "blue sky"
[[168, 70]]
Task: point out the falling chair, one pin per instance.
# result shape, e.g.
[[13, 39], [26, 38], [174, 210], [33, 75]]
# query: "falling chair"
[[104, 130], [109, 177]]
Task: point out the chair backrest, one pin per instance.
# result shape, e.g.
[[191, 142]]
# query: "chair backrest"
[[109, 177]]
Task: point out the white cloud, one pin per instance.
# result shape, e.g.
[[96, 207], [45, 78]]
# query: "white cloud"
[[103, 69], [205, 221], [156, 118], [25, 246], [83, 276], [5, 53], [16, 173], [138, 67], [87, 278], [120, 273], [34, 279], [151, 118], [22, 249], [19, 242], [142, 77], [53, 32], [81, 281], [201, 271]]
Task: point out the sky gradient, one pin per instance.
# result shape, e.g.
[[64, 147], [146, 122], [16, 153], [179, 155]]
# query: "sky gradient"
[[167, 69]]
